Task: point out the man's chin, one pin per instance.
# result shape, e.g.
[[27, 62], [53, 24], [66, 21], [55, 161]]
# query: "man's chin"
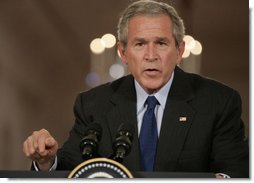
[[152, 88]]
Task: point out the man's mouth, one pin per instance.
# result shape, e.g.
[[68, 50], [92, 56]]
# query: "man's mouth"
[[152, 70]]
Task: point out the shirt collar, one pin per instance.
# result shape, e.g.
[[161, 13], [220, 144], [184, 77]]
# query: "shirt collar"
[[161, 95]]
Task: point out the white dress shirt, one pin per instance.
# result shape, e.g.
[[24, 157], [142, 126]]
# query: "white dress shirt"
[[161, 96]]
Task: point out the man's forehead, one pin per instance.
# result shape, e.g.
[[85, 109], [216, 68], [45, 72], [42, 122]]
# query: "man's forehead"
[[156, 38], [154, 23]]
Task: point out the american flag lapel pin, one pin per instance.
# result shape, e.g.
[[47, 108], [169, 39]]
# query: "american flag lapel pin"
[[182, 118]]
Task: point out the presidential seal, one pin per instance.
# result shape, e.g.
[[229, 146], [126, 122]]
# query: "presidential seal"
[[100, 168]]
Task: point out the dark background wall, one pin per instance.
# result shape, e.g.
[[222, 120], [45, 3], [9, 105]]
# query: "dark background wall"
[[45, 56]]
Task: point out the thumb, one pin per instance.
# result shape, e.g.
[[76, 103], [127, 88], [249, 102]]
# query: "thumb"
[[51, 146], [50, 143]]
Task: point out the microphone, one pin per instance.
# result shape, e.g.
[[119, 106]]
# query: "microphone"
[[123, 141], [89, 144]]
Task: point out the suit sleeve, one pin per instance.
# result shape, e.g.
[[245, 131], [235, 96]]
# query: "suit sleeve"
[[230, 154]]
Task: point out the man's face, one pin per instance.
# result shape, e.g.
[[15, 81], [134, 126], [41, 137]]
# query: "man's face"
[[151, 52]]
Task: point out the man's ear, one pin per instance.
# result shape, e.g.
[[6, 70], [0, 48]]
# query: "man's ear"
[[121, 51], [181, 48]]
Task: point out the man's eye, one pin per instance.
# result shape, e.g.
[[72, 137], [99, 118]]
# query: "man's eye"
[[161, 43], [139, 44]]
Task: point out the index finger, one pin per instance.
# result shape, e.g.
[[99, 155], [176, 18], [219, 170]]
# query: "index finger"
[[41, 144], [41, 140]]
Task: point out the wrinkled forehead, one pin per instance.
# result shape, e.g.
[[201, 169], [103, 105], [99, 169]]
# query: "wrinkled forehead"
[[141, 25]]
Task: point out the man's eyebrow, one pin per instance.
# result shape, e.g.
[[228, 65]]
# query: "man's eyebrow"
[[136, 39], [162, 39], [157, 39]]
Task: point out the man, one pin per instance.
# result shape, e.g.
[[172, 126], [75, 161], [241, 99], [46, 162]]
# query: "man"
[[196, 124]]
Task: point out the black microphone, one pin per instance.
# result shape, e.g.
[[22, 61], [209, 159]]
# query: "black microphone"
[[123, 141], [89, 144]]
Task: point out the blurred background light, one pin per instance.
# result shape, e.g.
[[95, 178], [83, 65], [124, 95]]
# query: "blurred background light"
[[92, 79], [189, 42], [186, 53], [109, 40], [197, 49], [116, 71], [191, 46], [97, 46]]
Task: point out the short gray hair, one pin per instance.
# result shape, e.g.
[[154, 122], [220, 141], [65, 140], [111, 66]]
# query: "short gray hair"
[[150, 8]]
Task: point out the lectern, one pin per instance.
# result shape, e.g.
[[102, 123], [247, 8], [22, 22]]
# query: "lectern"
[[102, 168], [64, 174]]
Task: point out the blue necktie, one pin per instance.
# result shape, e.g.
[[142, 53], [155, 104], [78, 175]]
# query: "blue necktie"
[[148, 135]]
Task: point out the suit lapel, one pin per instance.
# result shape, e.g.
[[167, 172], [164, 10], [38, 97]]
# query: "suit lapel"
[[124, 111], [177, 119]]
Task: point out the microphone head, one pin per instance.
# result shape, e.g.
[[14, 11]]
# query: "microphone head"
[[126, 129], [94, 128], [89, 143], [123, 141]]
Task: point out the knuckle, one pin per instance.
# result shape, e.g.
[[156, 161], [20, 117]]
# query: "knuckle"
[[31, 151], [30, 139], [35, 133], [44, 130]]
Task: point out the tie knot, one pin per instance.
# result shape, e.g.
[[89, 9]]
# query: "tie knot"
[[152, 102]]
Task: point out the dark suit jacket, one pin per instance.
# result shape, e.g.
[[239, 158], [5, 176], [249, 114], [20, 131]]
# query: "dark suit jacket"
[[210, 140]]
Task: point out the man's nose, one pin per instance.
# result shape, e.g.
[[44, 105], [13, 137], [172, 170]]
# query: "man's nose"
[[151, 53]]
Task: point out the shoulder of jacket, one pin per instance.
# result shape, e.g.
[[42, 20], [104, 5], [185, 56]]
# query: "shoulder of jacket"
[[198, 81], [107, 88]]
